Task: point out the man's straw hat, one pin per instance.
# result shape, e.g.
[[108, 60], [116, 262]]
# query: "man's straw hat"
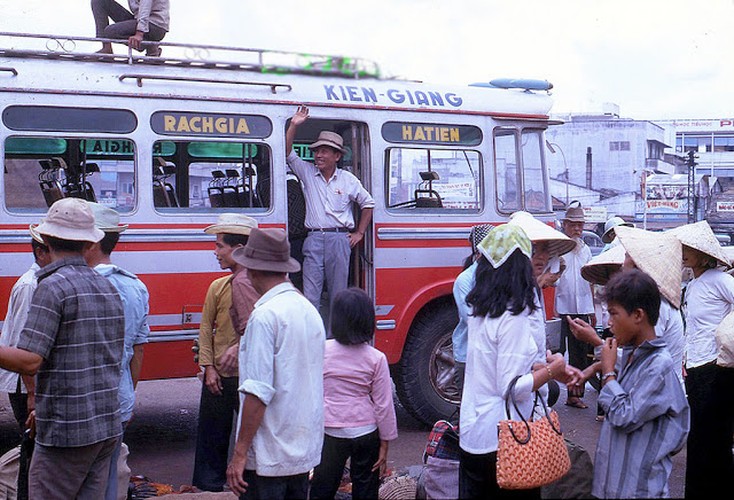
[[232, 223], [657, 254], [70, 219], [538, 232], [699, 236], [331, 139], [601, 267], [575, 214]]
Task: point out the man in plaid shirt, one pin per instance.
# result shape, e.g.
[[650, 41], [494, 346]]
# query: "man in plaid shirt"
[[72, 341]]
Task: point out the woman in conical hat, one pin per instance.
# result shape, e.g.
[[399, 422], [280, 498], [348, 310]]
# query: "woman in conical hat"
[[708, 298]]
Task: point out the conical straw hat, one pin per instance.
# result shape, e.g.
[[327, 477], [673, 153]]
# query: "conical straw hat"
[[699, 236], [657, 254], [600, 268], [537, 231]]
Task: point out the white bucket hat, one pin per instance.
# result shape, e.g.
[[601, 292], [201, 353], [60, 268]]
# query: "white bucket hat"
[[699, 236], [609, 226], [537, 231], [601, 267], [70, 219], [106, 219], [657, 254], [232, 224]]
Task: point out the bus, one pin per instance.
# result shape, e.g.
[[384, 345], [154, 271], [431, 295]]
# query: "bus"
[[171, 143]]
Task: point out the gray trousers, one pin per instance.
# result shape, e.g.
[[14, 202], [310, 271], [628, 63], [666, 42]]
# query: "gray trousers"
[[125, 24], [85, 471], [325, 259]]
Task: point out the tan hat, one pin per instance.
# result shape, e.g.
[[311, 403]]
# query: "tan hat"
[[699, 236], [537, 231], [331, 139], [70, 219], [34, 234], [267, 250], [232, 224], [575, 214], [609, 226], [106, 219], [657, 254], [601, 267]]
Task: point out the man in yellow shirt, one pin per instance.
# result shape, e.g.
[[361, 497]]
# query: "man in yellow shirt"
[[218, 353]]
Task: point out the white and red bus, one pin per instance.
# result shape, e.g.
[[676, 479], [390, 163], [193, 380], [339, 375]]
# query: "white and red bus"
[[171, 143]]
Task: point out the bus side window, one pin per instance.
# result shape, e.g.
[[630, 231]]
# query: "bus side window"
[[507, 171], [42, 170], [433, 179], [200, 175]]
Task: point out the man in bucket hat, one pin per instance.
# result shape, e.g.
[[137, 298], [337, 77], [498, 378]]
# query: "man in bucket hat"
[[227, 307], [329, 194], [281, 423], [73, 341], [574, 298], [134, 295]]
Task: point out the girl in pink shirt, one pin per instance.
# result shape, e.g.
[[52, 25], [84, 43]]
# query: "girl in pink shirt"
[[359, 416]]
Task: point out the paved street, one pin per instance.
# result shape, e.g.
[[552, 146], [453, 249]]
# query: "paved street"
[[162, 434]]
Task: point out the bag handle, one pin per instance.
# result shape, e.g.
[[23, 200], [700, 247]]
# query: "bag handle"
[[510, 395]]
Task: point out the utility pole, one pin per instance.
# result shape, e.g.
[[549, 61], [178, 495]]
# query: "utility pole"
[[691, 164]]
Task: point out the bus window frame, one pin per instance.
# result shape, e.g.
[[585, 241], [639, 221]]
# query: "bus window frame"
[[397, 210], [188, 210], [69, 136]]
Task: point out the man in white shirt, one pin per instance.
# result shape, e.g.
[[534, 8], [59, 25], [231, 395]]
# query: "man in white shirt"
[[281, 423], [574, 298], [20, 388], [329, 194]]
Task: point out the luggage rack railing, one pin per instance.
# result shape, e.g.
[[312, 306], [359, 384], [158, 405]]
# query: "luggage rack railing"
[[48, 46]]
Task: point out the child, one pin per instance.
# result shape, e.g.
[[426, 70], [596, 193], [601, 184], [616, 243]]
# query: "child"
[[359, 416], [647, 415]]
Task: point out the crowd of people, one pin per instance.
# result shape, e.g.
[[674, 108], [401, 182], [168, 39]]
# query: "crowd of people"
[[72, 347]]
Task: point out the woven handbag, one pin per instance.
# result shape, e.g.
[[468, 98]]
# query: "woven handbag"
[[531, 453]]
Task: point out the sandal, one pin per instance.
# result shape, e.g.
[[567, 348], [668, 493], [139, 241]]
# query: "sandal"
[[576, 403]]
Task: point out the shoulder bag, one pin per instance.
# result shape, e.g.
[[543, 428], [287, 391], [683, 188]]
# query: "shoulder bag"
[[531, 453]]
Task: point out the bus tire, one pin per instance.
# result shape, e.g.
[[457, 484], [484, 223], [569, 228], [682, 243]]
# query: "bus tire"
[[424, 376]]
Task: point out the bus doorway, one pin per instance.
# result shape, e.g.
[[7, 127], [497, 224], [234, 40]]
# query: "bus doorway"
[[355, 160]]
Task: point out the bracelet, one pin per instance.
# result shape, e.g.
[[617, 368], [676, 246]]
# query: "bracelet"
[[607, 375], [550, 373]]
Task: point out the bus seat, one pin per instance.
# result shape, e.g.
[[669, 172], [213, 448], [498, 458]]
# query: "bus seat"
[[164, 195], [427, 198], [160, 198], [215, 189]]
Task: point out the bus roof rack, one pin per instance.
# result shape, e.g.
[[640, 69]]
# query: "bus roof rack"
[[46, 46]]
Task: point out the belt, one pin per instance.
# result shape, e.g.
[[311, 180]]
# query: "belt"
[[329, 230]]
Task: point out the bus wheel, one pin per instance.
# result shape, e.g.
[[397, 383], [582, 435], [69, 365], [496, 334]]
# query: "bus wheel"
[[424, 377]]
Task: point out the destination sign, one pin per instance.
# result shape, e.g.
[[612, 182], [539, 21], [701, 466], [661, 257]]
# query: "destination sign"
[[360, 93], [431, 133], [210, 124]]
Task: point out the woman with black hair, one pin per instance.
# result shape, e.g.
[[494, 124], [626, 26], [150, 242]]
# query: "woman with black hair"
[[506, 340], [359, 415]]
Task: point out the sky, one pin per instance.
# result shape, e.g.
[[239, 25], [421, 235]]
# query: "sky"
[[659, 59]]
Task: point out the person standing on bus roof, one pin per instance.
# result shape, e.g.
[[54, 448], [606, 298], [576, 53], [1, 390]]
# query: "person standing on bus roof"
[[227, 307], [146, 20], [73, 340], [329, 194], [134, 295]]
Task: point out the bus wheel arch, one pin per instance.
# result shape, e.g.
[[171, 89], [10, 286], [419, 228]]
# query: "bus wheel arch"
[[424, 376]]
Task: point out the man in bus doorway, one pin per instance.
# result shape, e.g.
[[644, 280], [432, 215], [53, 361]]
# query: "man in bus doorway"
[[329, 194], [147, 20]]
